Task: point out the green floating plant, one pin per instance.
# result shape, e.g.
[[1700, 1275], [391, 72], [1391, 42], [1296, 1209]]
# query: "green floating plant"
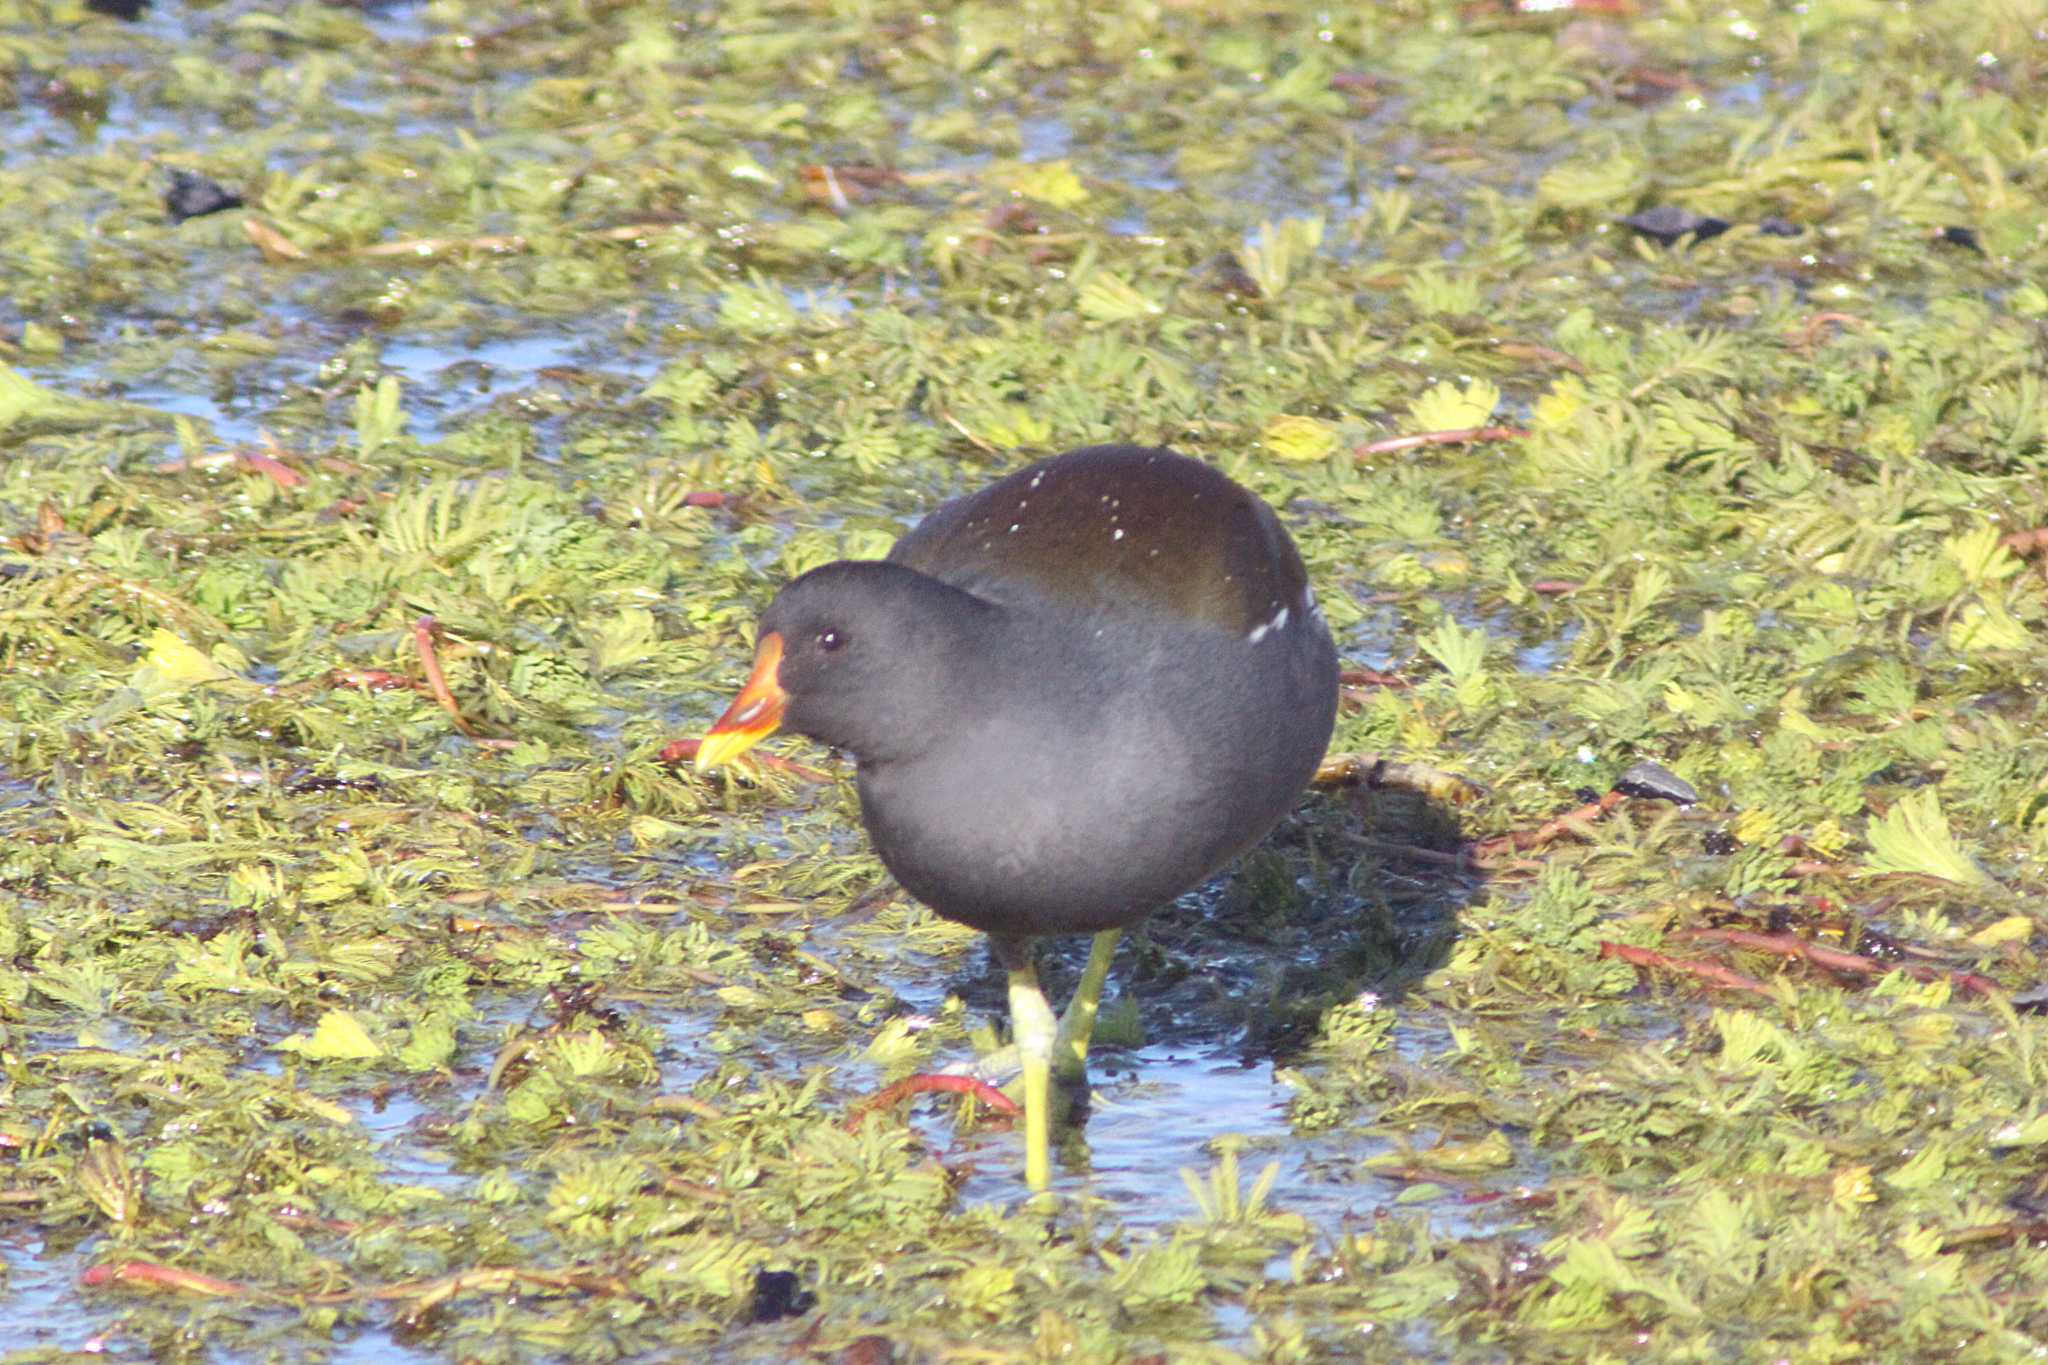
[[1914, 836]]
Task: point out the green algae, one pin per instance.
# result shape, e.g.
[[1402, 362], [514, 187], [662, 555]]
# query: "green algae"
[[335, 1027]]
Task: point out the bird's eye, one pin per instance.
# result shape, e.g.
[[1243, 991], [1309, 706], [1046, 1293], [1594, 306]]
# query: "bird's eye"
[[831, 640]]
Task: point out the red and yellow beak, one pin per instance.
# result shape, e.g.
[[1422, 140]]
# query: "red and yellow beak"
[[755, 713]]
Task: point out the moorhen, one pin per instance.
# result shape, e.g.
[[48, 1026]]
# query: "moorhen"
[[1070, 697]]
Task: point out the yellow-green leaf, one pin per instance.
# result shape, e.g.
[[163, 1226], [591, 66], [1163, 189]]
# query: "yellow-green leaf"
[[2031, 1132], [1914, 837], [1105, 298], [1300, 439], [1981, 556], [326, 1109], [1591, 182], [2011, 929], [1049, 182], [338, 1037], [1985, 624], [1557, 407], [40, 339], [1275, 255], [651, 831], [1490, 1153], [1850, 1187], [1007, 426], [21, 397], [1924, 1168], [1446, 407], [173, 666]]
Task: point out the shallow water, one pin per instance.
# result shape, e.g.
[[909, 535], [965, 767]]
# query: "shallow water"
[[1467, 124]]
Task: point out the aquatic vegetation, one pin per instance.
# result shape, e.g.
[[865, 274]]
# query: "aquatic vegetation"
[[1659, 384]]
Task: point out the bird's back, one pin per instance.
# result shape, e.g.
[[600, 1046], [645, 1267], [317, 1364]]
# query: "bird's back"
[[1114, 528]]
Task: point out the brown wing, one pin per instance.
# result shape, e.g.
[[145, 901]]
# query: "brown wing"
[[1115, 528]]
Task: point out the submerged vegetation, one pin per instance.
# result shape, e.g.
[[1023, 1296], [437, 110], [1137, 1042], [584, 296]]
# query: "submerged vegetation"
[[375, 984]]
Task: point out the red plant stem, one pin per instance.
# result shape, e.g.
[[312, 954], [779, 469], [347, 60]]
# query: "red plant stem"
[[1811, 331], [370, 679], [924, 1084], [1786, 945], [1457, 437], [2027, 542], [163, 1277], [1835, 959], [1371, 677], [430, 664], [1711, 972], [276, 470], [1569, 823]]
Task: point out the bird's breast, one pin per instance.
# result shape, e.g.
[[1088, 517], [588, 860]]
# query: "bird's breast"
[[1080, 812]]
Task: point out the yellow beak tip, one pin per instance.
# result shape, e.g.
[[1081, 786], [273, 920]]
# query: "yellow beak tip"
[[715, 751], [721, 747], [755, 713]]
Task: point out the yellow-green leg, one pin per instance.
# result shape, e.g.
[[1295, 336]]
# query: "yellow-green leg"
[[1032, 1024], [1077, 1025]]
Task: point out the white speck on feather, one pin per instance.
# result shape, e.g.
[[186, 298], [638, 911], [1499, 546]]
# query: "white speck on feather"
[[1265, 628]]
